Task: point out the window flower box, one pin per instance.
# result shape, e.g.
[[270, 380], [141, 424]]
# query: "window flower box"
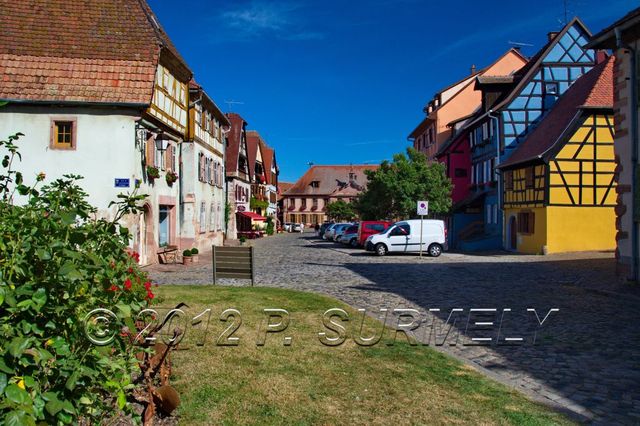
[[171, 177], [153, 172]]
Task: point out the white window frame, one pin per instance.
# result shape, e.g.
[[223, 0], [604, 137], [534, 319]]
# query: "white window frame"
[[203, 217]]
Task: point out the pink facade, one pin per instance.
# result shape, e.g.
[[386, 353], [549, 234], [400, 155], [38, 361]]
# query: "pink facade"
[[457, 159]]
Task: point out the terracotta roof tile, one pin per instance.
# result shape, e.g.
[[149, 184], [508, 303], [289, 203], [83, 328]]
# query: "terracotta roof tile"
[[235, 139], [592, 90], [103, 51], [253, 142], [329, 179]]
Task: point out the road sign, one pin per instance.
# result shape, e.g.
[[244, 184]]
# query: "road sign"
[[121, 183], [423, 208]]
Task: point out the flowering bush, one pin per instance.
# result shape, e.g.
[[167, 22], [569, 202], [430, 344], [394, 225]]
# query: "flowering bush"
[[58, 263]]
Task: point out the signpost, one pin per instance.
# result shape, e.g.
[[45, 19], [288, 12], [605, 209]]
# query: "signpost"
[[423, 210]]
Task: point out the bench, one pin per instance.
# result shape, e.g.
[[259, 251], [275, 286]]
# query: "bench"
[[233, 262], [168, 251]]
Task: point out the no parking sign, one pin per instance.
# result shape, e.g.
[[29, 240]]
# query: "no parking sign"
[[423, 208]]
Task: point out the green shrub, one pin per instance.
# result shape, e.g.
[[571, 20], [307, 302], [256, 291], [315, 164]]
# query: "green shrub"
[[194, 251], [58, 263], [186, 253]]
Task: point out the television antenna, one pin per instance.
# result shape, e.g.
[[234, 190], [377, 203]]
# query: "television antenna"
[[515, 43], [231, 102], [310, 163]]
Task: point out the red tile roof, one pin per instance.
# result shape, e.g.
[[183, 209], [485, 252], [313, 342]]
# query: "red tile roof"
[[268, 157], [592, 90], [284, 187], [331, 180], [102, 51]]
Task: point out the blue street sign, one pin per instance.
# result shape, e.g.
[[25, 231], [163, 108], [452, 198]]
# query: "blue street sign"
[[121, 183]]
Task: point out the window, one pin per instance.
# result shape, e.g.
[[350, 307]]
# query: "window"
[[489, 213], [495, 213], [551, 92], [63, 134], [377, 227], [508, 180], [529, 178], [494, 172], [459, 172], [212, 218], [402, 230], [203, 217], [526, 221]]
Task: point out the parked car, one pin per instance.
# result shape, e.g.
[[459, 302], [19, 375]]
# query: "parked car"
[[323, 228], [339, 229], [350, 236], [371, 227], [296, 227], [404, 237], [287, 226], [330, 232]]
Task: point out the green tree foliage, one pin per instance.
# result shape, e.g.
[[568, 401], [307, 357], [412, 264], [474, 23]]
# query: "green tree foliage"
[[394, 188], [340, 210], [58, 263], [270, 226]]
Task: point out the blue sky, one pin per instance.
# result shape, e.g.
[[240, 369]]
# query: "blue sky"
[[339, 82]]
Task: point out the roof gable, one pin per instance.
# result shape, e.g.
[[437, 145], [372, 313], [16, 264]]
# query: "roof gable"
[[331, 180], [592, 90]]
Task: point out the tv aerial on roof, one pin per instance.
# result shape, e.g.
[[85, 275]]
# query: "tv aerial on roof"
[[518, 44], [231, 102]]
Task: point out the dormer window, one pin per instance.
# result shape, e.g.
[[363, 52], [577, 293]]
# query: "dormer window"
[[315, 184]]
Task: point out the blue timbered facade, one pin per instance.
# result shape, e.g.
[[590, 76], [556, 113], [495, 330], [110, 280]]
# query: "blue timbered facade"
[[512, 107]]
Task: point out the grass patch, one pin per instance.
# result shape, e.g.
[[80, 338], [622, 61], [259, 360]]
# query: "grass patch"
[[309, 383]]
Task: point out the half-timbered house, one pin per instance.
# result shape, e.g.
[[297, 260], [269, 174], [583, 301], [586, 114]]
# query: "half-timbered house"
[[559, 184], [512, 106], [202, 194], [238, 178]]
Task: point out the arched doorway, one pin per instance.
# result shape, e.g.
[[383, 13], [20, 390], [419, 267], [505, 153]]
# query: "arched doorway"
[[513, 233]]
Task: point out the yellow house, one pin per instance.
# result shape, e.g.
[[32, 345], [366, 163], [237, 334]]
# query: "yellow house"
[[558, 187]]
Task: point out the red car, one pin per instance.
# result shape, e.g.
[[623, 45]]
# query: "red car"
[[370, 227]]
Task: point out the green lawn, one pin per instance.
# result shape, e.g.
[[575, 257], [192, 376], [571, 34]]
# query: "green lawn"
[[309, 383]]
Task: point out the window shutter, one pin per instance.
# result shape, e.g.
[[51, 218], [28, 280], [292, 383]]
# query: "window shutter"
[[149, 151]]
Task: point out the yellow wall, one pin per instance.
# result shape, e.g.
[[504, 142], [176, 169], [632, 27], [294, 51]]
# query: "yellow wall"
[[580, 228], [529, 243]]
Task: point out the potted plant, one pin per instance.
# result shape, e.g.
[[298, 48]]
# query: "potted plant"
[[242, 240], [153, 172], [186, 257], [194, 255], [171, 177]]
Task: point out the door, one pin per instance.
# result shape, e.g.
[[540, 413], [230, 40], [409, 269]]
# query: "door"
[[163, 226], [399, 238], [513, 233]]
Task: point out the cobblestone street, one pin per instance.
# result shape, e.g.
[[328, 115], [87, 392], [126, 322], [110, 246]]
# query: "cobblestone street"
[[585, 358]]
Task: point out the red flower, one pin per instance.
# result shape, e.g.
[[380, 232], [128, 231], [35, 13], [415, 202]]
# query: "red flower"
[[130, 270], [114, 288], [127, 284], [147, 286], [150, 295]]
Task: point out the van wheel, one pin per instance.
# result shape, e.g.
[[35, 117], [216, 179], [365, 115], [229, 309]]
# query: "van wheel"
[[435, 250], [353, 242], [381, 249]]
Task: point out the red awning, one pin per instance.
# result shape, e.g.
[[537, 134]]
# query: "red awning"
[[253, 216]]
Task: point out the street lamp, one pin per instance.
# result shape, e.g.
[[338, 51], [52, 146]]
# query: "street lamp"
[[162, 143]]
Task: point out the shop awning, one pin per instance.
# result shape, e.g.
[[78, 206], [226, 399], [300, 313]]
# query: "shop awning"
[[253, 216]]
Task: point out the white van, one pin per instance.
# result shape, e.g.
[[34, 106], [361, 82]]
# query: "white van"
[[404, 237]]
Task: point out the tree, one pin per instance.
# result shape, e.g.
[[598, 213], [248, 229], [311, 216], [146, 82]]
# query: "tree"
[[340, 210], [394, 188]]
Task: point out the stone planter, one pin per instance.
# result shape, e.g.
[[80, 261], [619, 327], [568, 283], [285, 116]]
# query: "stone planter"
[[186, 260], [194, 258]]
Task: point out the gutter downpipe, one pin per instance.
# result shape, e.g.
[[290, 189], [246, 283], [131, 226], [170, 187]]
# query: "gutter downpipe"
[[496, 120], [633, 104]]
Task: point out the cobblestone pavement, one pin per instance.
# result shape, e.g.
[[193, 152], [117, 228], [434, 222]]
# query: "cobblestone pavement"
[[586, 358]]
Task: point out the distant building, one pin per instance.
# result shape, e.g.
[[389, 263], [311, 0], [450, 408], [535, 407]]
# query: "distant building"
[[559, 185], [282, 188], [623, 37], [456, 101], [306, 200]]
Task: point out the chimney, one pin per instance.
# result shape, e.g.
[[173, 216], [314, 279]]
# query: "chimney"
[[473, 69], [552, 35]]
